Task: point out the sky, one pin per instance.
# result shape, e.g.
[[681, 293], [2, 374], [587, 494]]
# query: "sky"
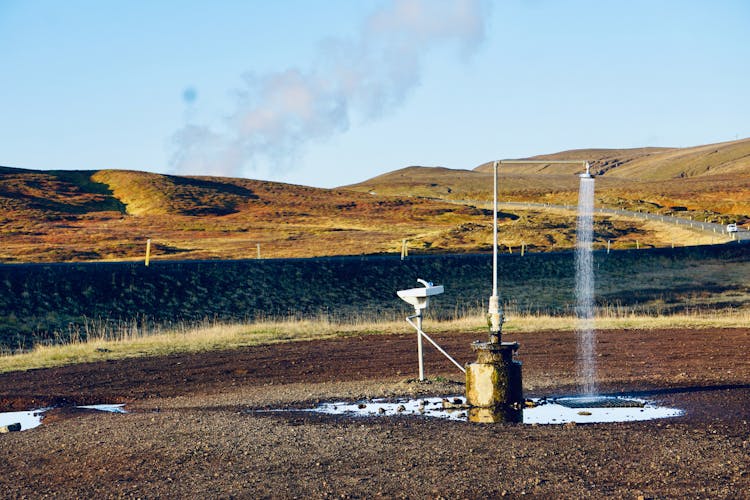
[[333, 92]]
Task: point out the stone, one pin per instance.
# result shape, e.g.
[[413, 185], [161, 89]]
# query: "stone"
[[10, 428]]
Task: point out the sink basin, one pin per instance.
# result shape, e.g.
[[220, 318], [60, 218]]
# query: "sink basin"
[[419, 297]]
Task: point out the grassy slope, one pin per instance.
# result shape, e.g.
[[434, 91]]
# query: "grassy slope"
[[54, 216], [650, 164], [108, 214], [710, 181]]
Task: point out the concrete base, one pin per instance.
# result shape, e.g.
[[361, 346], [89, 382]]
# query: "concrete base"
[[493, 384]]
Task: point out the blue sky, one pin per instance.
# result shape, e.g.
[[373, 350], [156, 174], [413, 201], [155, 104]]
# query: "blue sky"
[[332, 92]]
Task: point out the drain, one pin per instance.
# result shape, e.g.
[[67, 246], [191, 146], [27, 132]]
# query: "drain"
[[598, 402]]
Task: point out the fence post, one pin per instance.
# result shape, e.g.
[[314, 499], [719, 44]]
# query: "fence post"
[[148, 251], [257, 245], [609, 243]]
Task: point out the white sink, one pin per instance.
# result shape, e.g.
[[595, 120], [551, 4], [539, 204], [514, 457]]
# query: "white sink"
[[420, 297]]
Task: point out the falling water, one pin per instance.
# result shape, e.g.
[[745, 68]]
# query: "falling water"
[[585, 287]]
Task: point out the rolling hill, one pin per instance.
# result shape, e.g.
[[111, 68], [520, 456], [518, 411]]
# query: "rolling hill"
[[56, 215], [645, 164], [49, 216], [713, 181]]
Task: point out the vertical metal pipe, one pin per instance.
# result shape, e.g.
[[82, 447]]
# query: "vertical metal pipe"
[[494, 234], [494, 305], [419, 345]]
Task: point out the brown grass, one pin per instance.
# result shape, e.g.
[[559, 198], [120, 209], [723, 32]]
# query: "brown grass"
[[137, 341], [709, 182], [108, 215]]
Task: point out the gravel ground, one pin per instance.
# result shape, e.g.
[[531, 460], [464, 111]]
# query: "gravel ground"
[[195, 429]]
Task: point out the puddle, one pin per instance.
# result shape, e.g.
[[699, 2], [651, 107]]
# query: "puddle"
[[27, 419], [601, 410], [546, 411], [120, 408], [33, 418]]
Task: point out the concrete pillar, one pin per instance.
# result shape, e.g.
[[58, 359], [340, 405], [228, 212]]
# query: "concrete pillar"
[[493, 384]]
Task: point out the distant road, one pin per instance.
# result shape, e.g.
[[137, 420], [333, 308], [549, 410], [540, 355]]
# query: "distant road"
[[708, 227]]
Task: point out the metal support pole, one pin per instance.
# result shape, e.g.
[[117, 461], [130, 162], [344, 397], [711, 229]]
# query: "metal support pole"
[[420, 334], [419, 346], [442, 351], [494, 305], [494, 233]]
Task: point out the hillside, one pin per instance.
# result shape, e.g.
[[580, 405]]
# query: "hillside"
[[55, 215], [645, 164], [706, 182], [52, 216]]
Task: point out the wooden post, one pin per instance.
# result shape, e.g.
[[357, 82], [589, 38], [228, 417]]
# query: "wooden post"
[[523, 249], [637, 245], [510, 249], [258, 247], [609, 243], [148, 251]]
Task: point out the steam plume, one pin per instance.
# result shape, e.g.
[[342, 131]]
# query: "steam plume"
[[354, 80]]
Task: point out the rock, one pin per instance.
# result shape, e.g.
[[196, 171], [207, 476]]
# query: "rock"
[[456, 404], [10, 428]]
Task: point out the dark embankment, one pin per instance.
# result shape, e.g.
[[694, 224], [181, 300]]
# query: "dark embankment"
[[52, 302]]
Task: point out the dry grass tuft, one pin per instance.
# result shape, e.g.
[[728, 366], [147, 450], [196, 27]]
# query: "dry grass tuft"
[[137, 341]]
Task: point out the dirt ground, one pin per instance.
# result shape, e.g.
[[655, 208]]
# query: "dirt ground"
[[195, 428]]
